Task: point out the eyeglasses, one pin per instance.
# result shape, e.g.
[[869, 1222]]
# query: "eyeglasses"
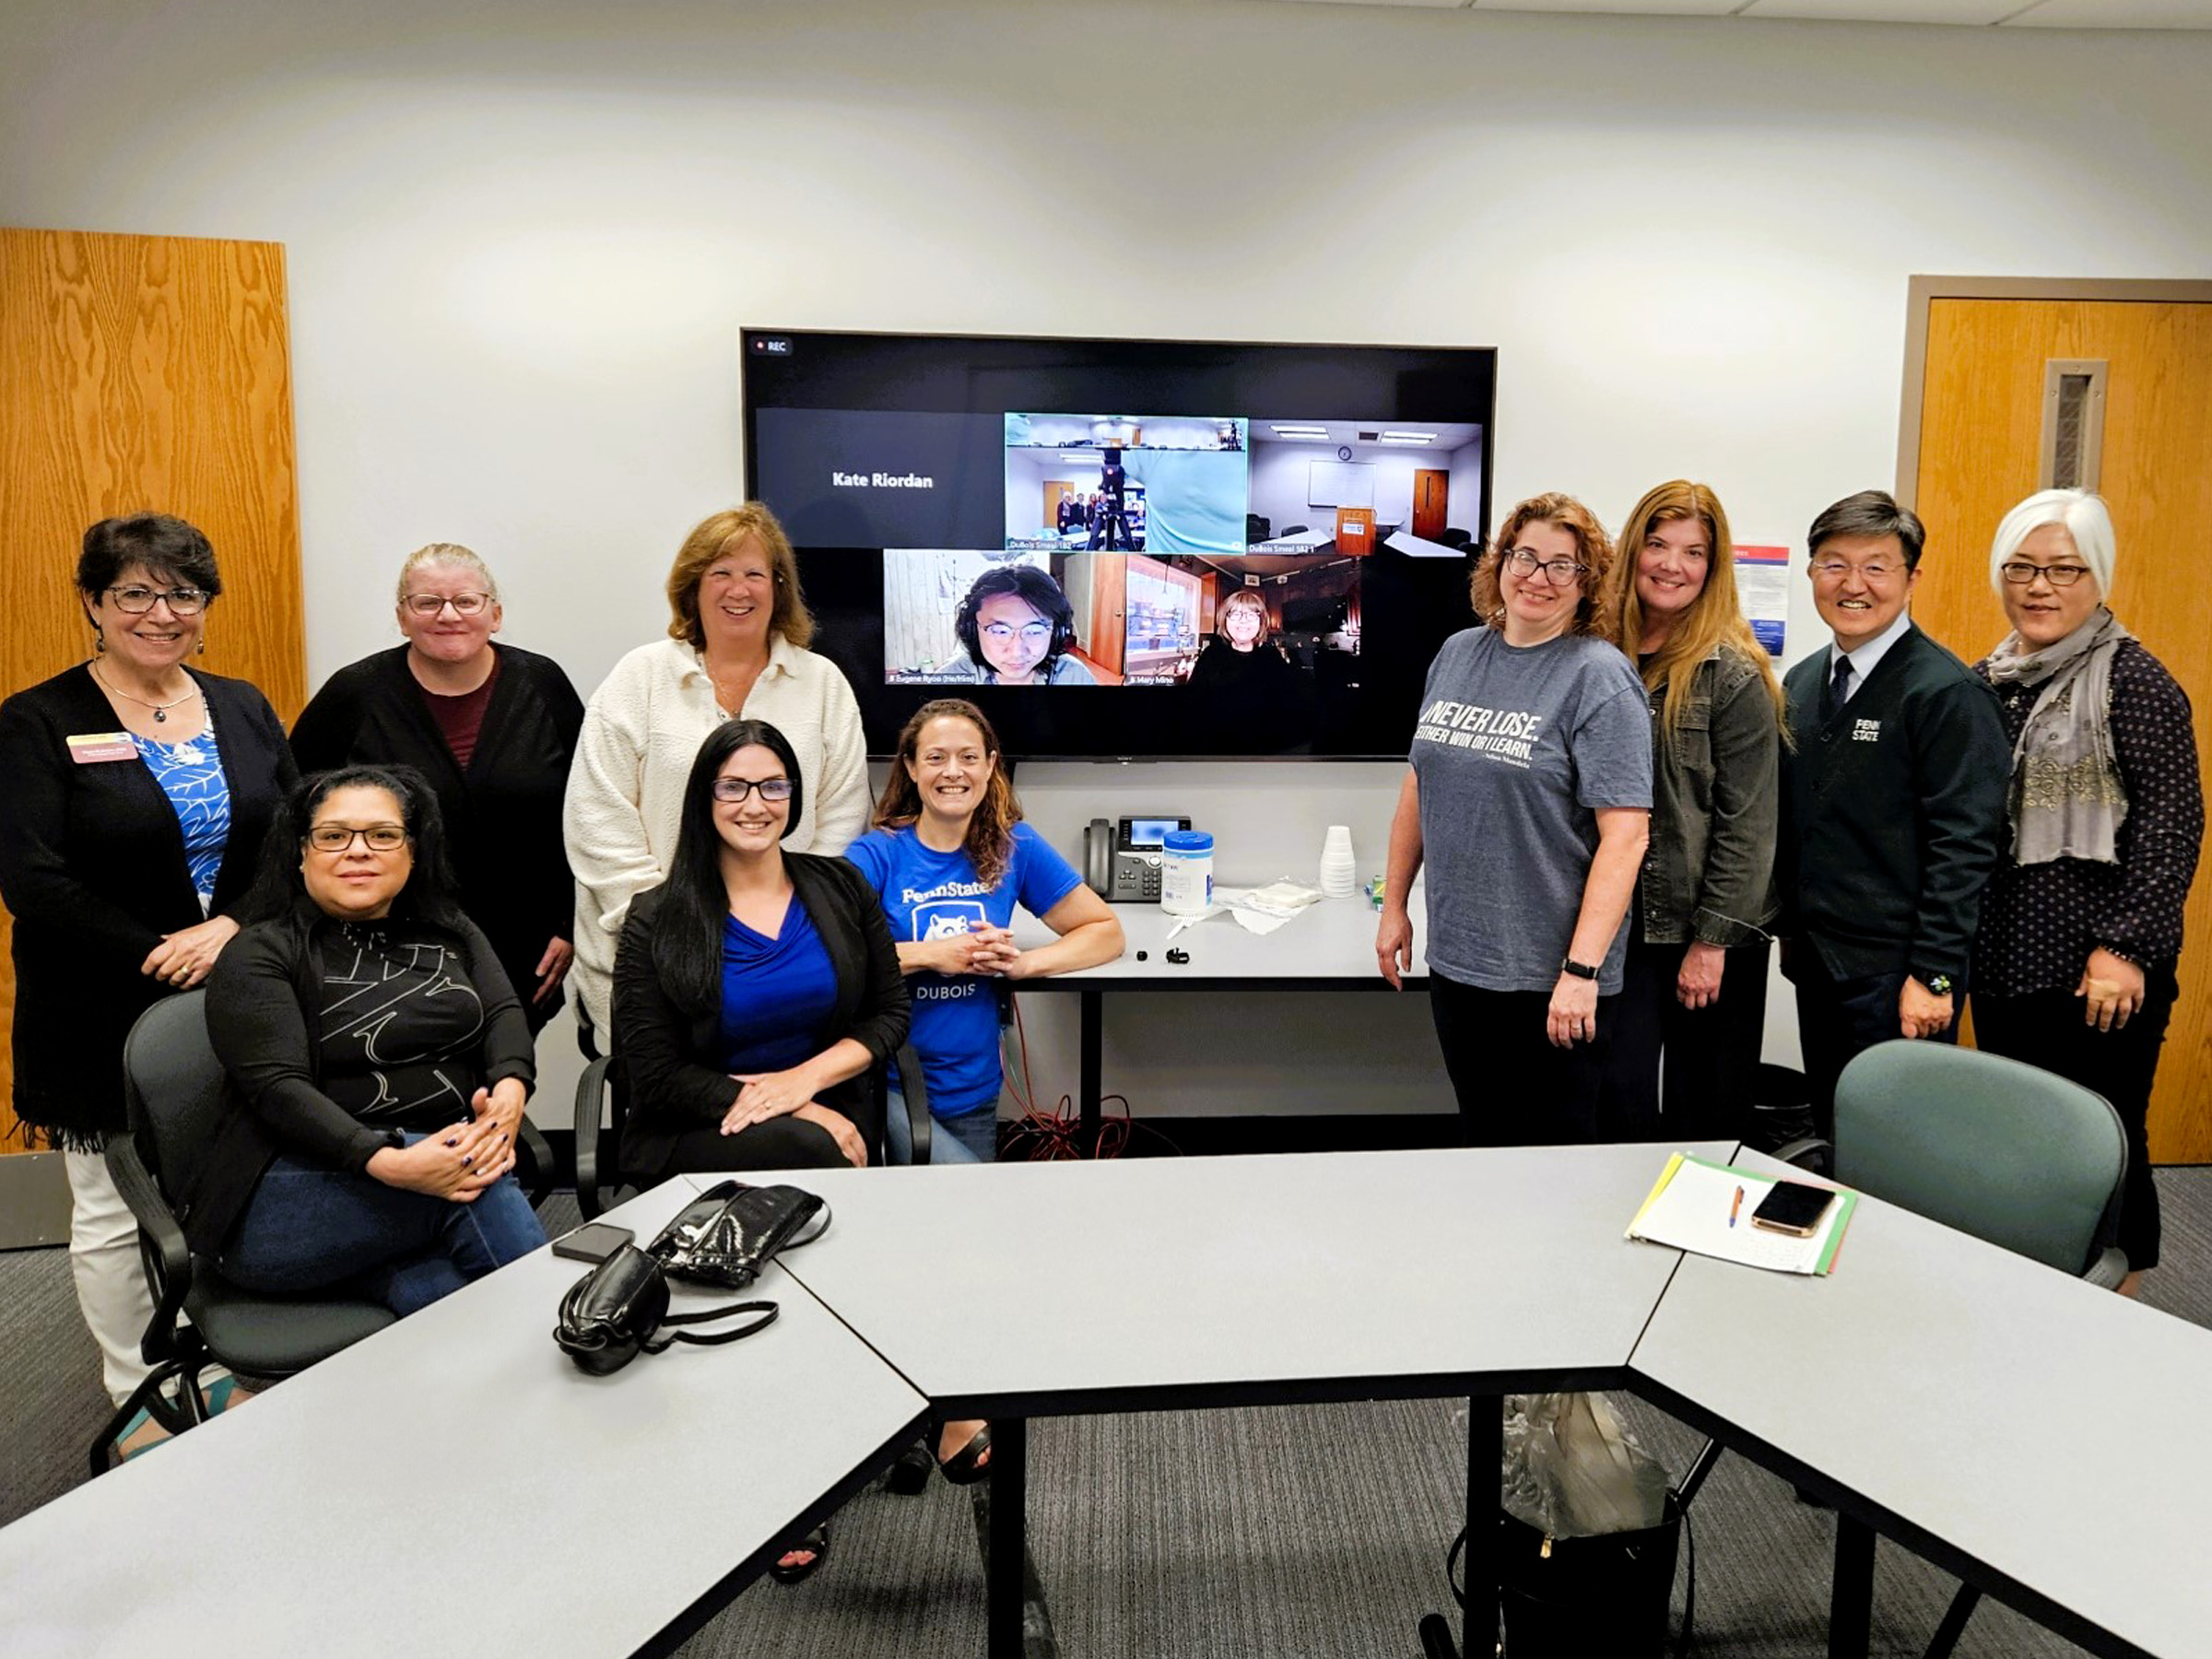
[[1835, 570], [430, 604], [734, 789], [1033, 633], [2019, 572], [1526, 563], [137, 601], [339, 838]]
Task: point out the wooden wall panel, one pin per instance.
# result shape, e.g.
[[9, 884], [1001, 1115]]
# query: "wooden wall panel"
[[1981, 426], [145, 372]]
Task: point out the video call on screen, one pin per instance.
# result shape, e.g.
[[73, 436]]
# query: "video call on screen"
[[1046, 520]]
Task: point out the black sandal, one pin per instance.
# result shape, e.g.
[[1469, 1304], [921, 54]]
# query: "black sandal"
[[817, 1541], [966, 1466]]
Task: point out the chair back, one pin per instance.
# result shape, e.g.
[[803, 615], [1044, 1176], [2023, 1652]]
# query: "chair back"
[[173, 1084], [2003, 1150]]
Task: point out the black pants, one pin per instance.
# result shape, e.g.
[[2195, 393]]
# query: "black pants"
[[781, 1142], [1514, 1088], [1712, 1053], [2045, 1029], [1840, 1019]]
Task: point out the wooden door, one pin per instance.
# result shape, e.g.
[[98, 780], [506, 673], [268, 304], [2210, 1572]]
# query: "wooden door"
[[1979, 449], [1055, 491], [145, 372], [1356, 531], [1431, 501]]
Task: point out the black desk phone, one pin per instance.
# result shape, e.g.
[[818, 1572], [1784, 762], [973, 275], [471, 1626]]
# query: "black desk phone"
[[1121, 861]]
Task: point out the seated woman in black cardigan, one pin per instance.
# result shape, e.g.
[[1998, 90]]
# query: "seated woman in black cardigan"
[[754, 987], [378, 1062]]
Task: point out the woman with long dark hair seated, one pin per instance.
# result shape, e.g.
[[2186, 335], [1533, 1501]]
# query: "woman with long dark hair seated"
[[378, 1061], [754, 987]]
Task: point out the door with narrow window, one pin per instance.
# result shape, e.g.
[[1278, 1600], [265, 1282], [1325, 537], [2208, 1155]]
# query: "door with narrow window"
[[2115, 393]]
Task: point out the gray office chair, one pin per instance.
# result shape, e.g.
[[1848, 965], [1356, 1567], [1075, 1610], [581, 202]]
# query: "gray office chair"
[[604, 1092], [2016, 1156], [172, 1095]]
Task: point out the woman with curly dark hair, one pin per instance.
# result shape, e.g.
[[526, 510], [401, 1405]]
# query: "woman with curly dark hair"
[[1018, 628], [1529, 800], [951, 858]]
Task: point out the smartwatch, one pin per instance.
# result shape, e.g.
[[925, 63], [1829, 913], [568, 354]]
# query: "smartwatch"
[[1940, 984], [1579, 970]]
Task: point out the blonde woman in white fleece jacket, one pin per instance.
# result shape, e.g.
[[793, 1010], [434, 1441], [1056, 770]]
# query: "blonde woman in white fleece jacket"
[[738, 631]]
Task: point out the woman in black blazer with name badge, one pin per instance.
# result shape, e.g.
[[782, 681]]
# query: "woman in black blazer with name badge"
[[138, 792]]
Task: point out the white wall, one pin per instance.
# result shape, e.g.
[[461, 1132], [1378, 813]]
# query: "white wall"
[[523, 234]]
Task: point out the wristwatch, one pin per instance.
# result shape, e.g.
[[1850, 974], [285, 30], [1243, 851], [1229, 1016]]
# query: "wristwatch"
[[1940, 984], [1579, 970]]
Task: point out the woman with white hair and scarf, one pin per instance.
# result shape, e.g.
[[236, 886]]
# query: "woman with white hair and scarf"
[[2081, 927]]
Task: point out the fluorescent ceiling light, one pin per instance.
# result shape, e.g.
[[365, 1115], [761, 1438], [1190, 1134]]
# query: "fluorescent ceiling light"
[[1415, 442], [1409, 438], [1303, 432]]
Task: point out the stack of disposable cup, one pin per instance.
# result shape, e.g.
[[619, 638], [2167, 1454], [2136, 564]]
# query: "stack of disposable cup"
[[1338, 878]]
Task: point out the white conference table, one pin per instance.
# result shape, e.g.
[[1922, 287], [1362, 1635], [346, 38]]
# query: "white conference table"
[[1243, 1280], [1329, 946], [455, 1484], [2045, 1439]]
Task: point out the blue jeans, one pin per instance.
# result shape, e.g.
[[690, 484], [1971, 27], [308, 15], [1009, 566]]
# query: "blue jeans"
[[972, 1137], [307, 1228]]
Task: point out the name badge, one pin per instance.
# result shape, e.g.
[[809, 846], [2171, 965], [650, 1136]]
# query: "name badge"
[[93, 749]]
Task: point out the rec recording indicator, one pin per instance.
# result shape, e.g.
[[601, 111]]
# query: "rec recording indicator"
[[771, 348]]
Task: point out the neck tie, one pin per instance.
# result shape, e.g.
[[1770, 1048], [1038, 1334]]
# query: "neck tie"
[[1839, 687]]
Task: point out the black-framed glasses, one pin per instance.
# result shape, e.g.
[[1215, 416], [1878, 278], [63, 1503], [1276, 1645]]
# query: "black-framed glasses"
[[136, 600], [733, 790], [338, 838], [465, 605], [2019, 572], [1527, 564]]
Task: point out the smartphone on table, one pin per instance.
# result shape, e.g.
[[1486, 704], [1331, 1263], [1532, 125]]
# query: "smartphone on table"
[[594, 1242], [1793, 1208]]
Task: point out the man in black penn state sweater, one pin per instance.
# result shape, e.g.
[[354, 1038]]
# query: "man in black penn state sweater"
[[1893, 805]]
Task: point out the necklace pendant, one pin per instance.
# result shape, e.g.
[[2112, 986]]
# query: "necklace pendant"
[[160, 716]]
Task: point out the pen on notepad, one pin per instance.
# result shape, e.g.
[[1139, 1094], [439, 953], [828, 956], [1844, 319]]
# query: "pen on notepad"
[[1735, 1204]]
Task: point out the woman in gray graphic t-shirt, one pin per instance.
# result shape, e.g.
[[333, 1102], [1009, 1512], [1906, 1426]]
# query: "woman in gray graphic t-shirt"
[[1527, 802]]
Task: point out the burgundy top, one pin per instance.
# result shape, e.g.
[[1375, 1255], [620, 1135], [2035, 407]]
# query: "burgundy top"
[[459, 719], [2039, 922]]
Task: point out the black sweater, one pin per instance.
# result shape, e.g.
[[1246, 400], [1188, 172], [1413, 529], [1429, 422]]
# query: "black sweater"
[[671, 1052], [1893, 813], [503, 815], [264, 1016], [92, 867]]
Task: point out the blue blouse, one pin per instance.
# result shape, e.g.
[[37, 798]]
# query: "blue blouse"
[[776, 993], [191, 775]]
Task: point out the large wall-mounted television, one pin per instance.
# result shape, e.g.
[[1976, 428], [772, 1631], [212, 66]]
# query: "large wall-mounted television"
[[1128, 549]]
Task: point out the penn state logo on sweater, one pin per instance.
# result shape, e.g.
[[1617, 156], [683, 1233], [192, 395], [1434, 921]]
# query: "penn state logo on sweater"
[[1865, 731]]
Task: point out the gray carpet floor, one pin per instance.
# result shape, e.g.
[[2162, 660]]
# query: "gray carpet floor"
[[1283, 1533]]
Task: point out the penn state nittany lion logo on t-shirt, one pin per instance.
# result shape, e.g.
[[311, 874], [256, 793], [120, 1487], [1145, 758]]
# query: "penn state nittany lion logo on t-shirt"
[[947, 918]]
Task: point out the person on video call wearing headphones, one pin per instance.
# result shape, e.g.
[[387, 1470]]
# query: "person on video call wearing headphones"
[[1017, 627]]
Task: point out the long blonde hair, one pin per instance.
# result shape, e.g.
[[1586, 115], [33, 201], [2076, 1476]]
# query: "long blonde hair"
[[1715, 617]]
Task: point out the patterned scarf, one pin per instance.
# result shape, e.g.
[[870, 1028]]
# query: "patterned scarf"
[[2068, 798]]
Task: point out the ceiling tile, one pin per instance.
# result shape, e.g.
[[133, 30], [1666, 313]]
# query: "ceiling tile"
[[1969, 12], [1678, 8], [2117, 14]]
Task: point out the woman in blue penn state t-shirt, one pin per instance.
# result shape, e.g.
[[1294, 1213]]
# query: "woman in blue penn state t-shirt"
[[951, 858]]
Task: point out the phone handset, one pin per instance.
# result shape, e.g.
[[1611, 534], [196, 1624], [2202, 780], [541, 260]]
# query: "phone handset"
[[1097, 857]]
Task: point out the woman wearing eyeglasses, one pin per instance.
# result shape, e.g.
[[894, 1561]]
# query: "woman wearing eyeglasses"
[[493, 728], [138, 789], [1528, 801], [756, 985], [2081, 927], [737, 636], [378, 1064]]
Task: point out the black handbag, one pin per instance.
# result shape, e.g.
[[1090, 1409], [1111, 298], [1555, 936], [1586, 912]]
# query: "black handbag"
[[727, 1234], [620, 1310]]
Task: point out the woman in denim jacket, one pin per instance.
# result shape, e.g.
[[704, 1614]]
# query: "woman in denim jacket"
[[1696, 985]]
